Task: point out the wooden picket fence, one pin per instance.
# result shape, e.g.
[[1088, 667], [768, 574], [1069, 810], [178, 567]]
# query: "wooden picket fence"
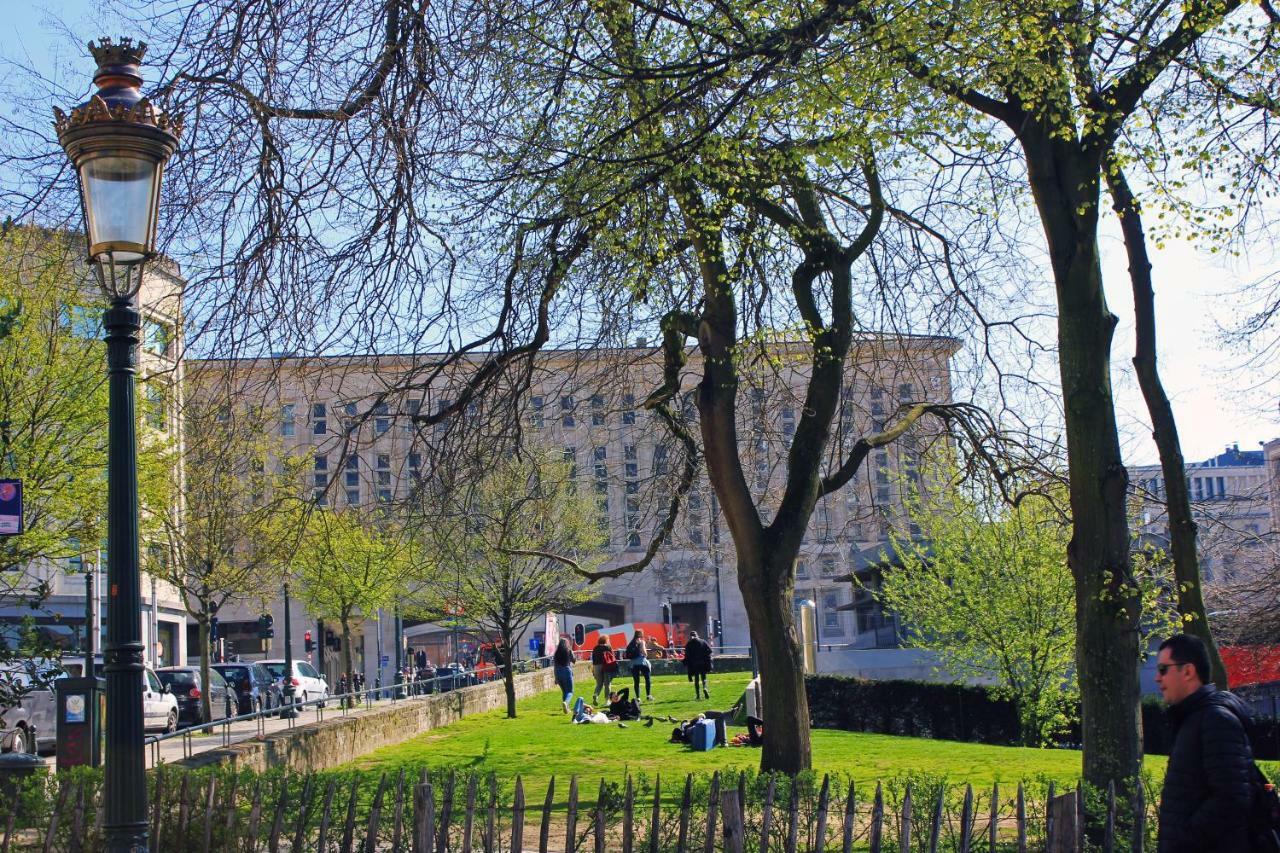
[[353, 813]]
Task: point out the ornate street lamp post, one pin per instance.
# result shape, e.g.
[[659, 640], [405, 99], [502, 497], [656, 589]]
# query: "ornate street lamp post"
[[119, 143]]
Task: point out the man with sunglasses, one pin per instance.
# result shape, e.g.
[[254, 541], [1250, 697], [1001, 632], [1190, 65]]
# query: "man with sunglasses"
[[1207, 795]]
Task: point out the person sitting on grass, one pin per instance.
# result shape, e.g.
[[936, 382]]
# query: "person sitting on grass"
[[588, 714]]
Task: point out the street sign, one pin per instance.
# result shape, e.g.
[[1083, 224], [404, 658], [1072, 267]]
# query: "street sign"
[[386, 659], [10, 507]]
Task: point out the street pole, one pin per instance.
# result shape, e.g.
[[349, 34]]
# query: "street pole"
[[90, 624], [377, 681], [289, 710], [125, 798], [397, 631]]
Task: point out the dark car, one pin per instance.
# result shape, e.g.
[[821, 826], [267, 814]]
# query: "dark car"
[[254, 687], [184, 683]]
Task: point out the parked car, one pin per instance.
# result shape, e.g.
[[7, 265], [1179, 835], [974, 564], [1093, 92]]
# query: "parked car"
[[30, 725], [159, 705], [255, 688], [307, 683], [185, 684]]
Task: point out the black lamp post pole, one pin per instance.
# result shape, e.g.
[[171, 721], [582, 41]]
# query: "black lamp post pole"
[[289, 710], [125, 796]]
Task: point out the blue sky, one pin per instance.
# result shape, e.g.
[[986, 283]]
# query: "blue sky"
[[1216, 403]]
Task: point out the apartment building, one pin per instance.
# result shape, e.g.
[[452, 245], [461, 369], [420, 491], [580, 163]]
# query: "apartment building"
[[1232, 502], [350, 418], [61, 617]]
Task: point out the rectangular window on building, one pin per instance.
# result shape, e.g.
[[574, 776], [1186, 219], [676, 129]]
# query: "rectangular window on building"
[[628, 408], [321, 499], [828, 566], [597, 410], [353, 478], [319, 420], [353, 497], [906, 391], [538, 403], [154, 405], [629, 452], [381, 419], [831, 613], [321, 480], [632, 470], [322, 462], [384, 478], [600, 453], [660, 460], [286, 419], [602, 471], [353, 463], [566, 411], [384, 461], [802, 569], [877, 393], [155, 337], [384, 496], [415, 461]]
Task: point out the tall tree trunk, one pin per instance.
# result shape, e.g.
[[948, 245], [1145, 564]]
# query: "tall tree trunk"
[[202, 620], [508, 676], [767, 593], [1065, 181], [1164, 429]]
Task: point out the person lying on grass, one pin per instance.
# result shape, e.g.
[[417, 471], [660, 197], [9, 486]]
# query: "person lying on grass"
[[622, 706]]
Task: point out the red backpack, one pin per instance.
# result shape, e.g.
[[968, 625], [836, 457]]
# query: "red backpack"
[[610, 661]]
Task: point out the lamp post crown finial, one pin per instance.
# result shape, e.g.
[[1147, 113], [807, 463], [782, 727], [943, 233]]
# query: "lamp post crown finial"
[[124, 52]]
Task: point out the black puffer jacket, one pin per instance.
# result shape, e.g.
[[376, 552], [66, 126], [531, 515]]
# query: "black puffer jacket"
[[1204, 807]]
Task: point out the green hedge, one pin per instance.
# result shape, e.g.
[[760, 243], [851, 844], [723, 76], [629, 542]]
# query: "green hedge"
[[967, 713]]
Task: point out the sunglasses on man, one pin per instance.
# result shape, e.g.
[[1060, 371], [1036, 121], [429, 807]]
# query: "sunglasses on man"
[[1163, 668]]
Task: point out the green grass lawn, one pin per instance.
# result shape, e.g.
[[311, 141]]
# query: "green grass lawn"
[[542, 741]]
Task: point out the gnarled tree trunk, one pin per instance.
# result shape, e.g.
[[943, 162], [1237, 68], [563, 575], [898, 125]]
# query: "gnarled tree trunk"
[[1065, 182]]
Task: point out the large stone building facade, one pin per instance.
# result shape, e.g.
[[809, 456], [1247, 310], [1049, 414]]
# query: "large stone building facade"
[[1232, 498], [354, 424]]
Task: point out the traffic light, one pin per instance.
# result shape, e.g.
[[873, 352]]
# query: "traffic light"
[[266, 627], [579, 634], [307, 644], [716, 628]]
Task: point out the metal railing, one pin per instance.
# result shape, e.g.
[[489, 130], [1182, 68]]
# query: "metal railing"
[[346, 703]]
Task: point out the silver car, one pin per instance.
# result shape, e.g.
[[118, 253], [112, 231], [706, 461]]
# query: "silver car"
[[308, 684], [31, 725]]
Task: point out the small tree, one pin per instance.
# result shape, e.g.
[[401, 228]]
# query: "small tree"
[[987, 586], [351, 562], [237, 514], [53, 426], [520, 532]]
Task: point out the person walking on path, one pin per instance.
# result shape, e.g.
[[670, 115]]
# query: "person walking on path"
[[603, 666], [562, 659], [638, 655], [697, 662], [1207, 795]]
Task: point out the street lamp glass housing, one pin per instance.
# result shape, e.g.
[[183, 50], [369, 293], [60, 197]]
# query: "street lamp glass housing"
[[119, 142], [120, 193]]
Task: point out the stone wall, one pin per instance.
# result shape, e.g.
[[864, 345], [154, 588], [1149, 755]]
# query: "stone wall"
[[338, 739]]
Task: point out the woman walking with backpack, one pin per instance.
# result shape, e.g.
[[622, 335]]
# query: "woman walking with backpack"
[[604, 663]]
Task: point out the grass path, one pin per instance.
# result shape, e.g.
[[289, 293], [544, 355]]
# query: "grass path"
[[542, 741]]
